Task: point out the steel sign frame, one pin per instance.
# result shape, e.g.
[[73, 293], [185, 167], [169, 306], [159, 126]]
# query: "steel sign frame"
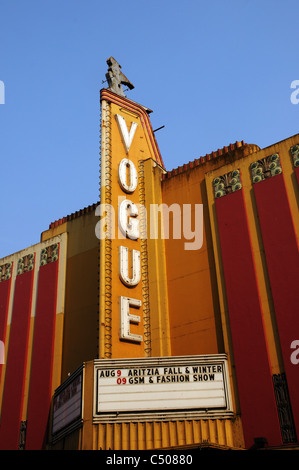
[[70, 421], [106, 408]]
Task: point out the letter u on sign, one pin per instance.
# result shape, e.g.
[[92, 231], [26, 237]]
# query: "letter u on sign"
[[126, 279]]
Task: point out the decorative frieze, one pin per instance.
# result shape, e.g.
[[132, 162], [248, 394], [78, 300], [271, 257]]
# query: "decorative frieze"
[[5, 271], [265, 168], [226, 184], [295, 155], [25, 264], [285, 415], [22, 435], [49, 254]]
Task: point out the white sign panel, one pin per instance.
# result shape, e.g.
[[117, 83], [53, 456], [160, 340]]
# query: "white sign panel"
[[162, 384], [67, 405]]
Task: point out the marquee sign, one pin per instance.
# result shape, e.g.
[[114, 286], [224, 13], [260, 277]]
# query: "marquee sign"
[[67, 405], [193, 384]]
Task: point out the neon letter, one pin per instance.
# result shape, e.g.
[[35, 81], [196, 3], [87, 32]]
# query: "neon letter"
[[126, 136], [126, 318], [124, 266], [131, 185]]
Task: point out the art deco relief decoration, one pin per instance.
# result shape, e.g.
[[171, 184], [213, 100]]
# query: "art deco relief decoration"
[[265, 168], [5, 271], [25, 264], [284, 408], [49, 254], [226, 184], [295, 155], [22, 435]]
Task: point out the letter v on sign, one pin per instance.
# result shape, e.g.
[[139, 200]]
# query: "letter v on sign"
[[127, 136]]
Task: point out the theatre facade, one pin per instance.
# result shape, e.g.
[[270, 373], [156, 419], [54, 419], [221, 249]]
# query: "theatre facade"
[[166, 314]]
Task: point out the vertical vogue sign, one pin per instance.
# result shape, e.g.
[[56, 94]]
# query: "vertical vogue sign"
[[129, 225]]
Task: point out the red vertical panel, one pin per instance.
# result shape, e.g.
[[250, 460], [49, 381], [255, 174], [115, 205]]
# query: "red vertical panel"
[[281, 251], [4, 301], [257, 401], [42, 358], [16, 363]]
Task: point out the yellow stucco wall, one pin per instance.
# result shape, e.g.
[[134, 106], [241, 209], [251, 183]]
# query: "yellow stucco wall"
[[80, 322]]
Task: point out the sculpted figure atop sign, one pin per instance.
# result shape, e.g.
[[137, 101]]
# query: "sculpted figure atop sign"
[[116, 78]]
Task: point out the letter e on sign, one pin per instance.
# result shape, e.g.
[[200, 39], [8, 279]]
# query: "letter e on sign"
[[126, 318]]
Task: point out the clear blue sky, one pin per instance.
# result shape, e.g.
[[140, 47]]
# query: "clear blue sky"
[[213, 72]]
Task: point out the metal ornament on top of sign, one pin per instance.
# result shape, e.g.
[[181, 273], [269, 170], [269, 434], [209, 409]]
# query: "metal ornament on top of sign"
[[129, 226], [115, 78]]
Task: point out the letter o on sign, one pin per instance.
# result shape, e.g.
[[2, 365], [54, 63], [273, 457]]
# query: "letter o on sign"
[[127, 183]]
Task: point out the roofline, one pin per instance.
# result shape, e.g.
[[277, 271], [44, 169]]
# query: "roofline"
[[202, 160], [168, 174], [74, 215]]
